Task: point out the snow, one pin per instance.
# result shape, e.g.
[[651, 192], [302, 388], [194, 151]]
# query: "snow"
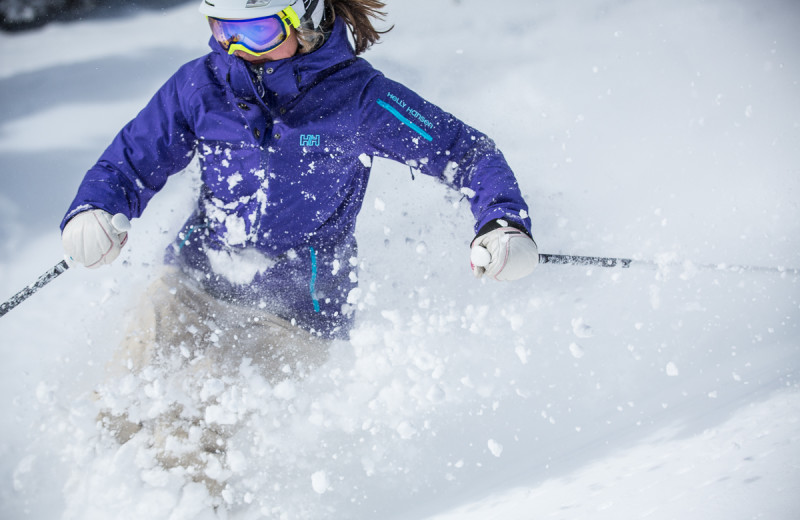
[[239, 267], [495, 447], [480, 256], [661, 131], [319, 481]]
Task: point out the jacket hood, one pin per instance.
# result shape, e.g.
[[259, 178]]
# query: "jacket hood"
[[305, 69]]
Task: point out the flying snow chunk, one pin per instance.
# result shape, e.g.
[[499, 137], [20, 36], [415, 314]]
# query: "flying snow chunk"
[[467, 192], [495, 447], [365, 159], [285, 390], [522, 354], [45, 394], [576, 350], [672, 369], [319, 482], [354, 296], [406, 430], [379, 204], [216, 414], [581, 329], [233, 180]]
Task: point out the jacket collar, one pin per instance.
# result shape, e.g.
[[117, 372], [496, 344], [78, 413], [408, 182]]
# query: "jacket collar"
[[292, 75]]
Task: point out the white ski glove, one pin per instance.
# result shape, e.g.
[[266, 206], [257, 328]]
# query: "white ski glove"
[[503, 250], [94, 238]]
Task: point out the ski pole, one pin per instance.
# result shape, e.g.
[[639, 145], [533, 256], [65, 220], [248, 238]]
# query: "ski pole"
[[584, 260], [120, 223], [27, 292], [628, 262]]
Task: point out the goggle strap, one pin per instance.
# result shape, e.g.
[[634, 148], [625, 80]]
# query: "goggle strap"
[[290, 15]]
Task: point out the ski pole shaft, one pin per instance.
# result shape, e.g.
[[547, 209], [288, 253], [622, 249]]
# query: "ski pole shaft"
[[584, 260], [43, 280], [627, 262]]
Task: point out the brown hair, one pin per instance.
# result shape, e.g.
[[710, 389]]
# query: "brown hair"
[[357, 14]]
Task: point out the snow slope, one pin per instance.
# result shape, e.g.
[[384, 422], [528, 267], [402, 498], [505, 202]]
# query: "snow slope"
[[654, 130]]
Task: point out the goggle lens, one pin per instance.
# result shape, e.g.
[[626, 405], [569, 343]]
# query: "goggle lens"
[[256, 36]]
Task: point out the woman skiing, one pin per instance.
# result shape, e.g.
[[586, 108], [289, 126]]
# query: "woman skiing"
[[285, 119]]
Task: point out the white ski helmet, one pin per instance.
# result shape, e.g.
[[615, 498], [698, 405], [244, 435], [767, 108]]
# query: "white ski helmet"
[[310, 12]]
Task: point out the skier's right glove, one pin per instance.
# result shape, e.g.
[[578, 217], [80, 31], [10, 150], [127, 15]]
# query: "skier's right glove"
[[94, 238], [503, 250]]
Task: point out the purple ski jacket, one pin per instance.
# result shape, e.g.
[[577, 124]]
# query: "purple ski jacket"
[[285, 162]]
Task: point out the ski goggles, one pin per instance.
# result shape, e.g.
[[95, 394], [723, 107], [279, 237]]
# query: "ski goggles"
[[256, 36]]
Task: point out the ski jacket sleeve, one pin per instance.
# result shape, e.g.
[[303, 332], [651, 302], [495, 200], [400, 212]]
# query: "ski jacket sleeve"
[[155, 144], [400, 125]]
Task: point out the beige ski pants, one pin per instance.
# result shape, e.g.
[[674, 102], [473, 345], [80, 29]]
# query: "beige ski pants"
[[176, 314], [184, 338]]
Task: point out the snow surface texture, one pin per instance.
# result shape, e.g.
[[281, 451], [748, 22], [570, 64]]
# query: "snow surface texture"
[[664, 131]]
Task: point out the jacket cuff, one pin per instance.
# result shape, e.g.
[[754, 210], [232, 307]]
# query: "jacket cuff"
[[501, 223]]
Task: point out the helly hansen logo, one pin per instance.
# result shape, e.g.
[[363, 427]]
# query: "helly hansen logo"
[[309, 140]]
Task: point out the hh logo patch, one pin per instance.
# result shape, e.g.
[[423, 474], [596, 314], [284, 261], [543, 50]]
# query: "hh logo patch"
[[309, 140]]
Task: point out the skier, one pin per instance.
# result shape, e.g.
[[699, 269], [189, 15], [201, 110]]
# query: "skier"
[[284, 118]]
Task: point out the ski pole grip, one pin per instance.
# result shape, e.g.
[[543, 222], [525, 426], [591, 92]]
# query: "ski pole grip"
[[120, 223]]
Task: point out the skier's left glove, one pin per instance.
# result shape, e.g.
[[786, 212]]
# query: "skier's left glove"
[[503, 250]]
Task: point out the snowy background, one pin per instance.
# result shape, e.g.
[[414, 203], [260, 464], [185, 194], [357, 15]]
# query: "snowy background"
[[664, 131]]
